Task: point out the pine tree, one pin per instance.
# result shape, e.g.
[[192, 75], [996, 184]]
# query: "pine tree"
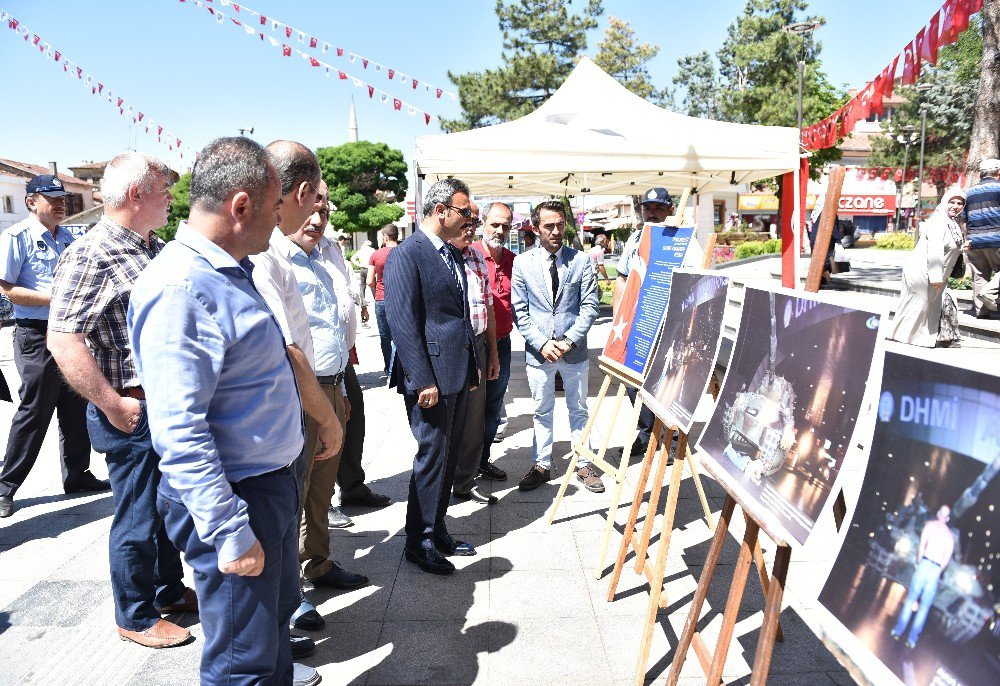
[[625, 59], [697, 77]]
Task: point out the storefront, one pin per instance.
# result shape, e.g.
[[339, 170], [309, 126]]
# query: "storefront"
[[763, 207], [869, 212]]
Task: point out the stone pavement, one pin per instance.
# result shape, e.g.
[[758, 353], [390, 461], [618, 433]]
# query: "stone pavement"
[[526, 610]]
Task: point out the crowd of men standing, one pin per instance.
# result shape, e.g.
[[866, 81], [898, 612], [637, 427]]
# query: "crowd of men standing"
[[216, 373]]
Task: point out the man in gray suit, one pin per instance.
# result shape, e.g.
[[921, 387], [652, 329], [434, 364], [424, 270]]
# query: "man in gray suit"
[[555, 301]]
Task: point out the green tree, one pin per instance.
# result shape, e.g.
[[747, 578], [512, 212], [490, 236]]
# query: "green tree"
[[699, 81], [625, 59], [951, 92], [541, 42], [363, 178], [180, 207]]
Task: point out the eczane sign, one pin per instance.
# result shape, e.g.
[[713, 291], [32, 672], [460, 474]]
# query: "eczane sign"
[[867, 205]]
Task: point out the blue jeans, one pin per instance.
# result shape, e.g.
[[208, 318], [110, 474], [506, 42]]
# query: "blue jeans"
[[383, 333], [542, 382], [146, 568], [923, 588], [245, 618], [495, 392]]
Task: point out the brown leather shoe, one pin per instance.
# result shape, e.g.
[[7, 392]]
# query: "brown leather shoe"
[[591, 481], [186, 603], [163, 634]]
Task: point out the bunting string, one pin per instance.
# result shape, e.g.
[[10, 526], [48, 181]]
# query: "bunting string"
[[285, 32], [942, 29], [97, 87], [251, 30]]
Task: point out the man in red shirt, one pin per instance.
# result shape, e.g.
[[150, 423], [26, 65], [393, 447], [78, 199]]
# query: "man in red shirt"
[[500, 261], [390, 237]]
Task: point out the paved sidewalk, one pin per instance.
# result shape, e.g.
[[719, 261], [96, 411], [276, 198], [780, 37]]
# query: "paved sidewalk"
[[526, 610]]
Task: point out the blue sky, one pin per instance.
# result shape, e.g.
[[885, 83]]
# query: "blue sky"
[[201, 79]]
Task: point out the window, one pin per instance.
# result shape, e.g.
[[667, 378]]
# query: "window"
[[74, 204], [8, 204], [719, 212]]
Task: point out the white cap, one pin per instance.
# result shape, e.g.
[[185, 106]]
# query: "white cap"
[[989, 165]]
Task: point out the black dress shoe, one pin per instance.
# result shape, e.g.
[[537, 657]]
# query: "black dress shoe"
[[478, 496], [492, 472], [302, 646], [337, 577], [450, 546], [535, 478], [429, 560], [6, 506], [366, 499], [306, 617], [86, 483], [638, 448]]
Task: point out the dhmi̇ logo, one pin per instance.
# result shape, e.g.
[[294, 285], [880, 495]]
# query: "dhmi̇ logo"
[[941, 413], [886, 405], [872, 322]]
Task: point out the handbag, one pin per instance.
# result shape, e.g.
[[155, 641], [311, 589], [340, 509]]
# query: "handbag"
[[958, 271], [948, 326]]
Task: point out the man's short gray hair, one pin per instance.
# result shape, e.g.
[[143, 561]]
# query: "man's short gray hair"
[[295, 163], [441, 193], [226, 166], [130, 170], [488, 207], [989, 167]]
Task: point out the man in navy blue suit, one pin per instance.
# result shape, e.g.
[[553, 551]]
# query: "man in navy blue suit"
[[434, 365]]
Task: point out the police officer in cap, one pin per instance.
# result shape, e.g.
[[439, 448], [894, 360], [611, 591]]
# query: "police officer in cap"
[[29, 251], [656, 206]]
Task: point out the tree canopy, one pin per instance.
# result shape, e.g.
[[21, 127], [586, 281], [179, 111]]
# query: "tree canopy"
[[363, 179], [621, 56], [180, 207], [541, 42]]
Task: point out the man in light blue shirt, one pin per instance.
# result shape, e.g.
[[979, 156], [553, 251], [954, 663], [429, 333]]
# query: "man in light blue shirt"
[[29, 251], [225, 414]]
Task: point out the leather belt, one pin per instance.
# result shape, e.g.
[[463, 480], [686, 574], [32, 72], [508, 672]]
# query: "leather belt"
[[332, 380], [134, 392]]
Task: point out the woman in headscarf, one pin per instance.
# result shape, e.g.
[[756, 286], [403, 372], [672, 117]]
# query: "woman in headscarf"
[[925, 275]]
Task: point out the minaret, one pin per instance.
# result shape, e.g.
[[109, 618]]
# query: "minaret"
[[352, 125]]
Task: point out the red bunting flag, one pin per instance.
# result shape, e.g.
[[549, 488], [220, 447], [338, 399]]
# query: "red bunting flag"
[[371, 91], [312, 42], [178, 142], [391, 74], [286, 50], [79, 72], [929, 49], [263, 20], [911, 65], [948, 35], [427, 118], [141, 115], [313, 61], [35, 39], [414, 84], [438, 92], [100, 87], [159, 130], [120, 102], [58, 55], [13, 24], [397, 104], [288, 32], [236, 7], [364, 63], [342, 75], [340, 52], [890, 79], [960, 19], [876, 97]]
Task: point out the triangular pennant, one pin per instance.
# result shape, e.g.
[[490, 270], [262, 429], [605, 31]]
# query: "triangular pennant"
[[438, 92], [371, 91], [58, 55], [313, 61], [340, 52], [391, 74], [342, 75], [141, 115], [427, 118], [397, 104], [263, 20], [288, 32], [313, 43], [286, 50], [414, 84], [364, 62]]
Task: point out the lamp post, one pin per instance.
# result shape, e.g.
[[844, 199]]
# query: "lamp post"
[[909, 139], [801, 29], [921, 89]]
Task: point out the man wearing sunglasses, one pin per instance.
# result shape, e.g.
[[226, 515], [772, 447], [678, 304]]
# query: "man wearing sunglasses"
[[434, 364]]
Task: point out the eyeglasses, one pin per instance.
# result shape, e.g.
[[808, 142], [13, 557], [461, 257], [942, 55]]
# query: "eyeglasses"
[[466, 212]]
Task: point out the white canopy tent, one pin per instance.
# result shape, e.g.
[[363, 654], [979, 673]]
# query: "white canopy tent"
[[594, 136]]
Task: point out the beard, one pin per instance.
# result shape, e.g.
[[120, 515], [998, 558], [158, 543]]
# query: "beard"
[[494, 243]]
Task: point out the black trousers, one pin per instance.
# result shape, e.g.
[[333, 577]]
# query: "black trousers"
[[646, 420], [350, 474], [438, 431], [43, 392]]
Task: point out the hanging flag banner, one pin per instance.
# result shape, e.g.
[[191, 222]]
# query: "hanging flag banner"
[[87, 79]]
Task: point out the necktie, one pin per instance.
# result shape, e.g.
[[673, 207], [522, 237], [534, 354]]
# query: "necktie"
[[449, 259], [554, 273]]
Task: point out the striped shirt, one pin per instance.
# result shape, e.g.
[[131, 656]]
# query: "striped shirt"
[[91, 289], [480, 292], [982, 208]]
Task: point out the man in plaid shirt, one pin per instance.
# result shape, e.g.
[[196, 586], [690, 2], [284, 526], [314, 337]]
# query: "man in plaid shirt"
[[480, 296], [88, 337]]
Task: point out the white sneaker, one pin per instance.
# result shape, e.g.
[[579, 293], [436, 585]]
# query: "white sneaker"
[[304, 675]]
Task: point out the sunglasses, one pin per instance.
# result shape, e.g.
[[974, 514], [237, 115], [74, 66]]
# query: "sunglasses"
[[466, 212]]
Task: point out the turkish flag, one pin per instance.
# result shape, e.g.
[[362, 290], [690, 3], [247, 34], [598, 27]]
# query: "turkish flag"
[[391, 74], [875, 104], [364, 63], [141, 115], [288, 32], [960, 20], [414, 84], [100, 87], [975, 6], [438, 92], [911, 65], [342, 75], [263, 20], [120, 101], [890, 79], [58, 55], [397, 104], [929, 49], [313, 61], [286, 51], [371, 91], [312, 42], [427, 118], [948, 36]]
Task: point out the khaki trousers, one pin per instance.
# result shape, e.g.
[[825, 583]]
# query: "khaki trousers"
[[320, 480]]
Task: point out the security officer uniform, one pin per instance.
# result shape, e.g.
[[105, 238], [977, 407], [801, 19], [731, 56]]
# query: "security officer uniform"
[[28, 256]]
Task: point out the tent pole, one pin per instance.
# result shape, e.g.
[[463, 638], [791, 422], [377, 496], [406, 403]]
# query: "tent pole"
[[796, 226]]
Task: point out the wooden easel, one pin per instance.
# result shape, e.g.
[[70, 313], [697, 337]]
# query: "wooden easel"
[[712, 663], [618, 472], [655, 572]]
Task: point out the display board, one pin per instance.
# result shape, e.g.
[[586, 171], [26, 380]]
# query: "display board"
[[788, 406], [685, 352], [914, 593], [640, 313]]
